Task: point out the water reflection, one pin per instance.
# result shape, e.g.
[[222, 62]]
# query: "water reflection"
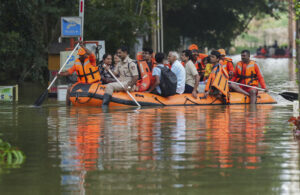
[[154, 140]]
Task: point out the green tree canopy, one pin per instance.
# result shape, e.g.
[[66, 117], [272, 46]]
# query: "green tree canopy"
[[212, 23], [29, 26]]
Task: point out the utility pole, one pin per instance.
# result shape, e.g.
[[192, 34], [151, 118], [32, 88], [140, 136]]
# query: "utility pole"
[[291, 27], [154, 27], [81, 14], [298, 55], [161, 26], [157, 26]]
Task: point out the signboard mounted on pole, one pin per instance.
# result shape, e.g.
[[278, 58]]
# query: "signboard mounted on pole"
[[71, 26]]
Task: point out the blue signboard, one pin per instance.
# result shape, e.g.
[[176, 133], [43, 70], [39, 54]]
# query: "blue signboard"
[[70, 26]]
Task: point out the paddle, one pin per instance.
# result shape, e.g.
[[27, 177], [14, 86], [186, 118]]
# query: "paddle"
[[124, 88], [291, 96], [42, 97]]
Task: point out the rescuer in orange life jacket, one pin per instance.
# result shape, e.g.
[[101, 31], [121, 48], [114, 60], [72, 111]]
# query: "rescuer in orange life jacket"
[[85, 67], [198, 60], [148, 57], [226, 63], [217, 82], [150, 60], [248, 72]]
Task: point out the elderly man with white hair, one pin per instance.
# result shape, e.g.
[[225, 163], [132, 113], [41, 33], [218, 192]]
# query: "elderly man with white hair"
[[178, 69]]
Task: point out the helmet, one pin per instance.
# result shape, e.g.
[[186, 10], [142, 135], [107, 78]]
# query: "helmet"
[[222, 51], [81, 51], [193, 47]]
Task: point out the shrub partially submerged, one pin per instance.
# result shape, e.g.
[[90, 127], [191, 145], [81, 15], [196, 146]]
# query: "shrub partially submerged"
[[9, 155]]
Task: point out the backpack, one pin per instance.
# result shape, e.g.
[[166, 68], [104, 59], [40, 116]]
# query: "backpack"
[[168, 82]]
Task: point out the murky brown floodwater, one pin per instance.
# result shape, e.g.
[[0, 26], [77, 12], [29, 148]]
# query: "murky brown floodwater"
[[172, 150]]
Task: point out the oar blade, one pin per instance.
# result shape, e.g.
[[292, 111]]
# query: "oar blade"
[[289, 96], [42, 97]]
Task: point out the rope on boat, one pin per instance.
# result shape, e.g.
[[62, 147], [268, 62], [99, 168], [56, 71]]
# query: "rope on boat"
[[77, 100], [158, 100], [188, 99]]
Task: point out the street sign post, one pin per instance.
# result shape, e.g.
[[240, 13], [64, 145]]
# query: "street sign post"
[[71, 26], [81, 15]]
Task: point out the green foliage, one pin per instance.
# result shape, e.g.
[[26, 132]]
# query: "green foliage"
[[27, 28], [297, 9], [10, 156], [213, 23], [117, 22]]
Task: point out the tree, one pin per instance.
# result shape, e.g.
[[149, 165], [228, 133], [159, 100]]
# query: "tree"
[[212, 23], [27, 28], [117, 22]]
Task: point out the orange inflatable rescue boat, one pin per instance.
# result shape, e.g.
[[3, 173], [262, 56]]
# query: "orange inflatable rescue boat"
[[92, 95]]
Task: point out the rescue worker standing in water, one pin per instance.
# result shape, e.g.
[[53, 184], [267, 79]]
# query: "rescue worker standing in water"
[[87, 71], [248, 72], [127, 72]]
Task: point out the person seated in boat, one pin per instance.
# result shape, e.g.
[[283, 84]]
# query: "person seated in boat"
[[116, 60], [147, 56], [106, 77], [192, 76], [208, 67], [198, 60], [156, 73], [264, 50], [217, 83], [178, 69], [226, 63], [127, 72], [248, 72]]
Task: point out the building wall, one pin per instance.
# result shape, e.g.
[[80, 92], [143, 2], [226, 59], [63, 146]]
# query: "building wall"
[[53, 62]]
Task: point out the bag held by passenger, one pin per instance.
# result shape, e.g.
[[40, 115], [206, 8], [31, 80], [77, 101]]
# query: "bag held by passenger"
[[168, 82]]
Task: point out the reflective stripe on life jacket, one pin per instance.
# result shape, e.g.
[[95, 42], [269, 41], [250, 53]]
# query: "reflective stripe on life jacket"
[[144, 83], [227, 64], [246, 73], [218, 78], [86, 73]]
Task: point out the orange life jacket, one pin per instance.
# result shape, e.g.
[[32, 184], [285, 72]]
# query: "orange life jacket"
[[200, 66], [139, 56], [218, 78], [227, 64], [144, 83], [86, 73], [246, 73]]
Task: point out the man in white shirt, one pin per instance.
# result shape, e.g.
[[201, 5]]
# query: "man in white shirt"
[[192, 76], [178, 69]]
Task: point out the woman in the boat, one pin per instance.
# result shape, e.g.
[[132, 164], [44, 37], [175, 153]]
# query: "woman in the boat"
[[106, 77]]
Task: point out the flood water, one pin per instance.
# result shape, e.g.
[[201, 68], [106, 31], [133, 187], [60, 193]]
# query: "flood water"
[[234, 149]]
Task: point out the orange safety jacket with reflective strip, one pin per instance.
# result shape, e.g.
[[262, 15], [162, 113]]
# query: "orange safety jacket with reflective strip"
[[200, 66], [86, 73], [249, 74], [227, 64], [214, 71]]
